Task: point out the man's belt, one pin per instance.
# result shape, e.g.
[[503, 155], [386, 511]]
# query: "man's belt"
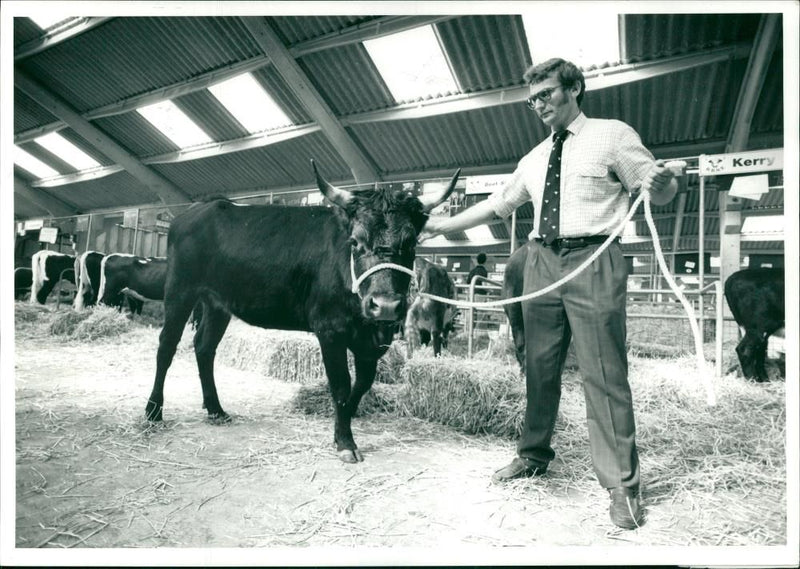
[[574, 242]]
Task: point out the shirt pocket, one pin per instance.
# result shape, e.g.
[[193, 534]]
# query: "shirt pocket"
[[593, 182]]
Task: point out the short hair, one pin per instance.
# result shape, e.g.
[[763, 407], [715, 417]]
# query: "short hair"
[[481, 258], [565, 71]]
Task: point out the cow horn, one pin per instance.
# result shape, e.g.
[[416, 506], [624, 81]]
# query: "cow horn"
[[337, 196], [432, 200]]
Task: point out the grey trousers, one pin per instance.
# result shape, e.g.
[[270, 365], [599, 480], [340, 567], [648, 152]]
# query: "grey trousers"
[[590, 309]]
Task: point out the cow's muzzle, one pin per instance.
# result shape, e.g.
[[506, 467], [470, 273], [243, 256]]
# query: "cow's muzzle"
[[383, 307]]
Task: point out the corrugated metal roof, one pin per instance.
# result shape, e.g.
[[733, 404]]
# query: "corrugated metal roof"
[[486, 52], [127, 56]]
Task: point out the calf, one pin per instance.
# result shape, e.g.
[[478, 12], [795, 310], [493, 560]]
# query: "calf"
[[428, 319], [87, 277], [140, 278], [342, 273], [756, 299], [47, 269]]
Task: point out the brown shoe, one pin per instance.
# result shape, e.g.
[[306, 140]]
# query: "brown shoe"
[[625, 510], [518, 468]]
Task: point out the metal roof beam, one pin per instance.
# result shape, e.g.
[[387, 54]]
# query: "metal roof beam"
[[206, 151], [595, 79], [750, 91], [54, 206], [164, 189], [295, 77], [67, 31], [365, 31]]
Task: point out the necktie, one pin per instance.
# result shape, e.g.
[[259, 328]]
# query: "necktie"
[[548, 220]]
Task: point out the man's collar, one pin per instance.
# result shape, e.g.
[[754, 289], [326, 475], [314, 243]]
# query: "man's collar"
[[577, 124]]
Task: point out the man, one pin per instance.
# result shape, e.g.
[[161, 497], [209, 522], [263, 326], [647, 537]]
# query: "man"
[[479, 270], [593, 164]]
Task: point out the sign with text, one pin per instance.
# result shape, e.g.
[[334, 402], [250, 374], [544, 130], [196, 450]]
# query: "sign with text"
[[486, 184], [48, 234], [741, 162]]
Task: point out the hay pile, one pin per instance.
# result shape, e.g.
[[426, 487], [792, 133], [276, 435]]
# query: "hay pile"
[[293, 356], [476, 397], [95, 323]]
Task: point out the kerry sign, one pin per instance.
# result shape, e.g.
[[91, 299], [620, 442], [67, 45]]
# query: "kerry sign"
[[741, 162]]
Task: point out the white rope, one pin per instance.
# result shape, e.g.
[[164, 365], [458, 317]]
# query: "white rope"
[[703, 368], [379, 267]]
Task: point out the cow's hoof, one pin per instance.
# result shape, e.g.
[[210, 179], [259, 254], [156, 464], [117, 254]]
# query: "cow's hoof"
[[153, 412], [351, 456], [219, 418]]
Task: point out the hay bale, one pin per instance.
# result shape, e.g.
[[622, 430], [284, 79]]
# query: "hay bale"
[[98, 322], [390, 366], [315, 399], [64, 323], [26, 312], [102, 322], [476, 397]]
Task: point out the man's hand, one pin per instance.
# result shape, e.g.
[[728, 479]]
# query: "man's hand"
[[430, 229], [660, 182]]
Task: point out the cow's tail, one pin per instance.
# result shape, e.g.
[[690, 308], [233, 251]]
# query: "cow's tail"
[[82, 278], [102, 287], [39, 274]]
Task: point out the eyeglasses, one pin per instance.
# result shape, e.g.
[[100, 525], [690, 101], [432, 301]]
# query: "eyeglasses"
[[544, 96]]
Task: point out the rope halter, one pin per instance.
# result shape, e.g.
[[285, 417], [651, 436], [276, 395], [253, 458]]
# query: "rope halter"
[[379, 267]]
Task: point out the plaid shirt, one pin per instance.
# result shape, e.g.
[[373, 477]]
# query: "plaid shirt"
[[601, 162]]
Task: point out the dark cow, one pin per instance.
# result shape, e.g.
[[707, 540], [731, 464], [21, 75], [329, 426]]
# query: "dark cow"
[[512, 287], [292, 268], [428, 319], [47, 269], [87, 278], [23, 279], [138, 278], [756, 299]]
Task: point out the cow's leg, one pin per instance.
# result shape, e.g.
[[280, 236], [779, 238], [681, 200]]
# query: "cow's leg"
[[761, 361], [209, 333], [176, 313], [334, 357], [44, 292], [437, 343]]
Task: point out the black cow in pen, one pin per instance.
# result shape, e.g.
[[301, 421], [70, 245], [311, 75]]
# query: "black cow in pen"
[[87, 279], [292, 268], [137, 278], [429, 320], [757, 302], [23, 279], [47, 269]]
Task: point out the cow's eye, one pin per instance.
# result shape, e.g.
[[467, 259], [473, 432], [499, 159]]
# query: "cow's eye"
[[352, 242]]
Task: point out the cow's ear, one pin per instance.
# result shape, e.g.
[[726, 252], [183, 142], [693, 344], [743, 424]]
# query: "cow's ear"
[[337, 196], [431, 201]]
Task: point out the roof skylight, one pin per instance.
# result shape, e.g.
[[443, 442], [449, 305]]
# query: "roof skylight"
[[32, 164], [174, 124], [45, 19], [67, 151], [412, 64], [250, 104], [592, 31]]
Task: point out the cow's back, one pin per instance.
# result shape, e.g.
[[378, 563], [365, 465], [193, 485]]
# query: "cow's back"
[[756, 297], [271, 266]]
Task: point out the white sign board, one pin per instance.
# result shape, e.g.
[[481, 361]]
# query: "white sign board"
[[48, 234], [486, 184], [741, 162]]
